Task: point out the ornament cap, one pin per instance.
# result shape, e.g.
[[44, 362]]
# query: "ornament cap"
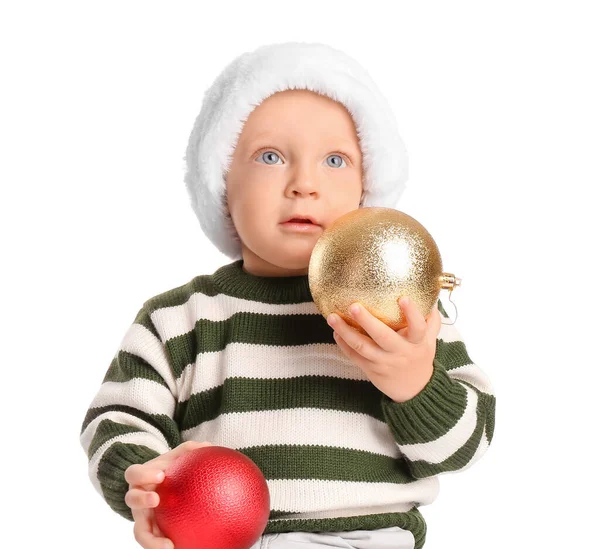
[[448, 281]]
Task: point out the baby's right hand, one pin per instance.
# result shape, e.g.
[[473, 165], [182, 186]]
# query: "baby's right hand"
[[142, 498]]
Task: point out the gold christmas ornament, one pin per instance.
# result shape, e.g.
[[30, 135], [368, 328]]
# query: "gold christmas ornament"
[[376, 256]]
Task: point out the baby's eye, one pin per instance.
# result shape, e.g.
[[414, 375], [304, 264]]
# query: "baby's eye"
[[268, 156], [336, 164]]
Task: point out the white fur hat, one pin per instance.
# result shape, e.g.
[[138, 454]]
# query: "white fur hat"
[[250, 79]]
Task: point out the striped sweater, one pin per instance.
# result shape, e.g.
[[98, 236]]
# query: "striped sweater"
[[248, 362]]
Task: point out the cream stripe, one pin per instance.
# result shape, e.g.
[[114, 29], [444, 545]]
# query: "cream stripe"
[[297, 426], [474, 375], [142, 394], [143, 343], [443, 447], [141, 438], [449, 333], [326, 498], [124, 419], [180, 319], [265, 361]]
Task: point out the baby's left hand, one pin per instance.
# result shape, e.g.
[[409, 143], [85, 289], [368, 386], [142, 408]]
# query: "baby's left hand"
[[399, 364]]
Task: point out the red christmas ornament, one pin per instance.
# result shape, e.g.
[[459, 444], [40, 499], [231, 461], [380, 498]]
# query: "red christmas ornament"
[[213, 498]]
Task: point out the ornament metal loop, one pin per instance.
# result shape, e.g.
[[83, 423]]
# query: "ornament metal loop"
[[448, 282]]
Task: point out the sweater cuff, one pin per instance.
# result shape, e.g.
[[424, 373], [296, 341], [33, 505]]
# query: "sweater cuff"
[[431, 413], [111, 473]]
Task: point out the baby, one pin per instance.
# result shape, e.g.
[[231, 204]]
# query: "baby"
[[350, 432]]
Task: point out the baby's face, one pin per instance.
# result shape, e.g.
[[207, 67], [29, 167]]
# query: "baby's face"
[[298, 155]]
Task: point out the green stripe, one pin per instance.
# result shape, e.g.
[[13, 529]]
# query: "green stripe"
[[245, 327], [412, 520], [125, 366], [452, 354], [458, 459], [199, 408], [249, 395], [323, 462], [107, 430], [180, 295], [489, 404], [441, 309], [162, 422], [488, 401]]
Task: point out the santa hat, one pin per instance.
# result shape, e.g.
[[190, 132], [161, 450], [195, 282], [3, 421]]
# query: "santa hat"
[[252, 77]]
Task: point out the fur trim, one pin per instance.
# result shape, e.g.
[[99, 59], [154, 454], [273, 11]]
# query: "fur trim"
[[250, 79]]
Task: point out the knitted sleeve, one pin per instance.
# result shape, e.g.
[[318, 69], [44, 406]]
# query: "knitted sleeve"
[[450, 423], [131, 419]]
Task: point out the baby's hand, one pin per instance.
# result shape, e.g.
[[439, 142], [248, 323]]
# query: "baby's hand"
[[399, 363], [142, 498]]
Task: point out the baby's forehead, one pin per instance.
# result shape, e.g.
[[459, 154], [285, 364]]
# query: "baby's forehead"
[[282, 113], [264, 134]]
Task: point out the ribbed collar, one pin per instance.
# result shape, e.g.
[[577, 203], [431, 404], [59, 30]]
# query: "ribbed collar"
[[231, 279]]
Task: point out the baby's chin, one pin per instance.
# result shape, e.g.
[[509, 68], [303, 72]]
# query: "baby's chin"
[[295, 266], [296, 262]]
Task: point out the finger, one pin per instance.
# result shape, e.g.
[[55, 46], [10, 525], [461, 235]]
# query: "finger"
[[416, 329], [142, 530], [155, 529], [360, 343], [434, 323], [163, 461], [357, 359], [141, 499], [141, 474], [381, 333], [152, 472]]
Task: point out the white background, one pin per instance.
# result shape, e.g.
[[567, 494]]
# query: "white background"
[[498, 104]]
